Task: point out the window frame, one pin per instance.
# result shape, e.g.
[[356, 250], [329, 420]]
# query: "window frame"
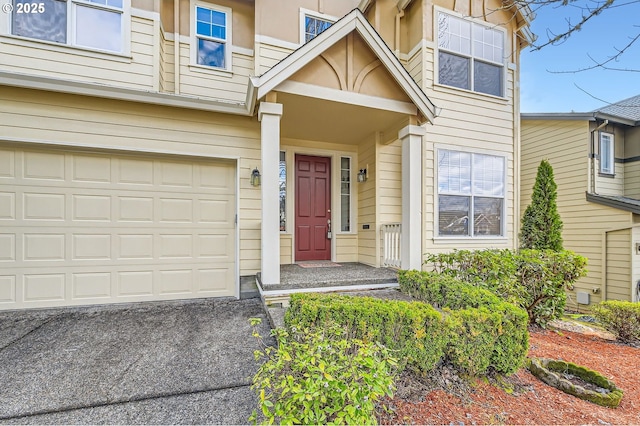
[[339, 230], [194, 37], [6, 28], [612, 161], [471, 57], [470, 232], [304, 13]]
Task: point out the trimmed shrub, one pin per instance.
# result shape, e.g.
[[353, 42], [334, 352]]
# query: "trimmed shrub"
[[535, 280], [412, 329], [321, 377], [620, 318], [484, 331]]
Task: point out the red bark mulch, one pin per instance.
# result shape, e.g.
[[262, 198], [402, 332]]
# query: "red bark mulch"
[[532, 401]]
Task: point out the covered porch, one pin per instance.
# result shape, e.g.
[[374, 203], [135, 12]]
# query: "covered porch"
[[341, 163]]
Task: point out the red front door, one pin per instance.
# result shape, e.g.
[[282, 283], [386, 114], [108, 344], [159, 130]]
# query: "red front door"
[[313, 208]]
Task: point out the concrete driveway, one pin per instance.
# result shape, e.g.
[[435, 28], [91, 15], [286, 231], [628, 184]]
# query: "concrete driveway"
[[185, 362]]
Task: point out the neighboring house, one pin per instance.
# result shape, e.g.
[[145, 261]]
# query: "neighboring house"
[[596, 162], [155, 150]]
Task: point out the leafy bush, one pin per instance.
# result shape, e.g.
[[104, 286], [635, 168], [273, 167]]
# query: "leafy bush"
[[541, 224], [321, 377], [413, 329], [535, 280], [484, 331], [620, 318]]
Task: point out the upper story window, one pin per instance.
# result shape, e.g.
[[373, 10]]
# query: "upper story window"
[[314, 26], [212, 29], [95, 24], [607, 150], [313, 23], [470, 55], [471, 194]]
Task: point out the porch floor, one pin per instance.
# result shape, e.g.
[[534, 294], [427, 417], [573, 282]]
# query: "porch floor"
[[296, 277]]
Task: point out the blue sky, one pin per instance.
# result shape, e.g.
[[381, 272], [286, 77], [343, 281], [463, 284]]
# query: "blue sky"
[[545, 91]]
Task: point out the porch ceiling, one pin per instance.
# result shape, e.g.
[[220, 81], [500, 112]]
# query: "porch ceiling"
[[329, 121]]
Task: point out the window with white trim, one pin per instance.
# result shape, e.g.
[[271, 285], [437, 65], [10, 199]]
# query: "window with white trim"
[[94, 24], [345, 194], [470, 185], [212, 36], [607, 150], [313, 26], [282, 190], [470, 55]]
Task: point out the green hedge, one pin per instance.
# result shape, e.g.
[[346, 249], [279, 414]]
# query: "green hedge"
[[620, 318], [535, 280], [485, 331], [475, 330], [413, 329]]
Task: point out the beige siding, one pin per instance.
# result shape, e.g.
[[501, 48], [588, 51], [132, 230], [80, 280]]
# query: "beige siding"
[[390, 186], [267, 55], [214, 84], [68, 63], [367, 208], [81, 121], [167, 65], [346, 248], [635, 259], [611, 185], [414, 66], [286, 249], [619, 268], [566, 145], [468, 122], [632, 179]]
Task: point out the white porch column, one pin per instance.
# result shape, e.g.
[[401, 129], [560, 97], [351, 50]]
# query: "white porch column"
[[269, 115], [411, 234]]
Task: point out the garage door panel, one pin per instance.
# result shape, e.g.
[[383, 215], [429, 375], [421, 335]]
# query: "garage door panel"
[[7, 205], [80, 228], [44, 206], [7, 289], [138, 172], [7, 163], [43, 166], [91, 207], [91, 168]]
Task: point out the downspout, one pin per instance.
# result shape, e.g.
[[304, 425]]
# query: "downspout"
[[176, 46], [399, 15], [592, 156]]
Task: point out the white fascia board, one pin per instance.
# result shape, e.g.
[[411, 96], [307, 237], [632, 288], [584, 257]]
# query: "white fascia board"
[[335, 95], [399, 73], [119, 93]]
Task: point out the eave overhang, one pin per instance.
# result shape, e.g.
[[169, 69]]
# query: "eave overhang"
[[617, 202]]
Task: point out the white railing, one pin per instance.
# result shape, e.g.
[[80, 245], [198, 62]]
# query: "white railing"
[[391, 245]]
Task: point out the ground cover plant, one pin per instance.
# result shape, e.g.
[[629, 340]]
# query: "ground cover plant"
[[321, 376]]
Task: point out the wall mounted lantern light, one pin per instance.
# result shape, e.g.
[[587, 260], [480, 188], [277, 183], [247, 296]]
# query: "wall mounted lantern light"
[[255, 177], [362, 175]]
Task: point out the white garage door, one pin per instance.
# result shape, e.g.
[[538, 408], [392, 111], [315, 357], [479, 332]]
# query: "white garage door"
[[84, 228]]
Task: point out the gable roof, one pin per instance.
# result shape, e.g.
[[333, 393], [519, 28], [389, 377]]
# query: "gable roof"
[[628, 109], [353, 21]]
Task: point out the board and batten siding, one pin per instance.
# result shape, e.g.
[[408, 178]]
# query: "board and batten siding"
[[566, 145], [73, 64], [469, 122], [619, 264], [78, 121]]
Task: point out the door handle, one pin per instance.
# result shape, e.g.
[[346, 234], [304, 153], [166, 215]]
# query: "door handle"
[[329, 229]]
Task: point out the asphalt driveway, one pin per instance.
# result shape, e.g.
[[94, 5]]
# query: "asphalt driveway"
[[185, 362]]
